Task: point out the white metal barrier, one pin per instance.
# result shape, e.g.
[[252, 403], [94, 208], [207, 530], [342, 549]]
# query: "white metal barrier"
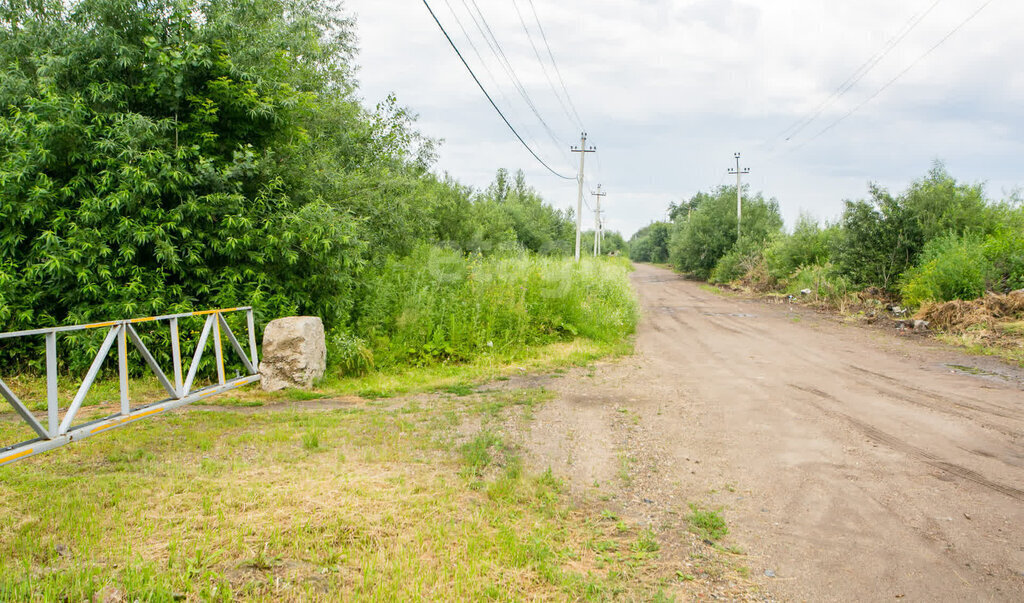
[[60, 431]]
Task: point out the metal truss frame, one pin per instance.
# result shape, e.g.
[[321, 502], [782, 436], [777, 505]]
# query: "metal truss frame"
[[61, 431]]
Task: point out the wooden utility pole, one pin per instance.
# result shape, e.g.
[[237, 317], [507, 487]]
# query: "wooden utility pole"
[[597, 220], [582, 150], [739, 194]]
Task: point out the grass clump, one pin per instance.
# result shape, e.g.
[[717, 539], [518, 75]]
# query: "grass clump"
[[707, 523], [476, 454], [311, 440], [646, 542]]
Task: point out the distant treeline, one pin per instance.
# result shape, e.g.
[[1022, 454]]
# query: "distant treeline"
[[939, 240]]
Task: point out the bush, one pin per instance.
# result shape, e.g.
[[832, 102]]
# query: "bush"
[[154, 158], [940, 204], [879, 240], [440, 306], [650, 243], [825, 281], [808, 245], [1005, 251], [951, 267], [739, 262]]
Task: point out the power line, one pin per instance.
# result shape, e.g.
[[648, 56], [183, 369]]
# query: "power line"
[[489, 99], [508, 103], [543, 67], [558, 71], [949, 35], [499, 52], [885, 86], [859, 73]]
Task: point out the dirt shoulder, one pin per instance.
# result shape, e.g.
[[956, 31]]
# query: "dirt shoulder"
[[849, 463]]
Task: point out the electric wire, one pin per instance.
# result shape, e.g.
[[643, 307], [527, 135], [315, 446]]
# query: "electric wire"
[[492, 41], [600, 168], [885, 86], [508, 103], [859, 74], [543, 67], [489, 99], [558, 71]]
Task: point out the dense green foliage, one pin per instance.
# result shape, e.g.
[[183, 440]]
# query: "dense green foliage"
[[650, 243], [809, 244], [440, 306], [708, 234], [165, 156], [171, 155], [965, 267], [939, 240]]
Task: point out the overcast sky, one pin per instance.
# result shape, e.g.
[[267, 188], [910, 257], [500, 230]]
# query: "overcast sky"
[[669, 90]]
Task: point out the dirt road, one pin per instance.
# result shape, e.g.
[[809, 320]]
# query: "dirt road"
[[850, 463]]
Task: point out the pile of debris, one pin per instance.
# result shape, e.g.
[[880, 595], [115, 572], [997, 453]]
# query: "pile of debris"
[[960, 315]]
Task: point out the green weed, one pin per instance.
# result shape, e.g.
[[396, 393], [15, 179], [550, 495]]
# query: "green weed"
[[441, 307], [646, 542], [707, 523], [476, 454], [311, 440], [459, 389]]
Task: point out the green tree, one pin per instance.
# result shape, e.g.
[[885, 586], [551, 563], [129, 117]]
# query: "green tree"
[[809, 244], [650, 243], [167, 155], [940, 205], [879, 240], [698, 243]]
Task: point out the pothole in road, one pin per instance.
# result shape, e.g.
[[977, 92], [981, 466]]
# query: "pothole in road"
[[973, 370]]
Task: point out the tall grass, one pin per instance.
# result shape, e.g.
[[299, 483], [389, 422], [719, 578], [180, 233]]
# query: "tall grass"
[[439, 306]]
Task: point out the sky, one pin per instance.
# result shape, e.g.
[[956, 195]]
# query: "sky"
[[668, 91]]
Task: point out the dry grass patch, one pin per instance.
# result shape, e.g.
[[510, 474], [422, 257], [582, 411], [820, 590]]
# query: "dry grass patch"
[[961, 315], [991, 325]]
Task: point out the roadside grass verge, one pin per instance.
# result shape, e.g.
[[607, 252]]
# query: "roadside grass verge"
[[439, 306], [1008, 348], [103, 398], [410, 379], [365, 501], [1003, 338]]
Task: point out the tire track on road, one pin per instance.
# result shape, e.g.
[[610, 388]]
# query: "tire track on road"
[[900, 445]]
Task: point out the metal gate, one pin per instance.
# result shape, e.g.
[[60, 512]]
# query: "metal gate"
[[60, 431]]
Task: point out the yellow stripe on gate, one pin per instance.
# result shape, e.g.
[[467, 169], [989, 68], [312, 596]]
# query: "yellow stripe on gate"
[[16, 456], [127, 420], [97, 325], [204, 312]]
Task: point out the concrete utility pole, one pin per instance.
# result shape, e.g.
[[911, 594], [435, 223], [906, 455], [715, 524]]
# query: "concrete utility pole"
[[739, 194], [582, 150], [597, 220]]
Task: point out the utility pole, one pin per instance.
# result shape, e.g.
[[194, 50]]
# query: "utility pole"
[[582, 150], [597, 220], [739, 194]]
